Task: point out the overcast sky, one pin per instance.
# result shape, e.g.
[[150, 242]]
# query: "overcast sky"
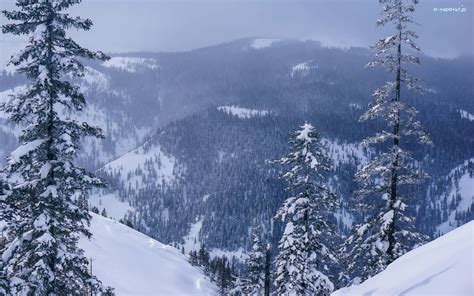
[[173, 25]]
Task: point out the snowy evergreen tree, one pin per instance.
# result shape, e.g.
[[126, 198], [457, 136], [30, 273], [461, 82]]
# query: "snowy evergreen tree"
[[303, 258], [43, 210], [255, 281], [388, 231]]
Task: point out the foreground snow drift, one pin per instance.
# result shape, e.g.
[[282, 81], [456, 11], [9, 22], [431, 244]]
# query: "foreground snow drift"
[[135, 264], [441, 267]]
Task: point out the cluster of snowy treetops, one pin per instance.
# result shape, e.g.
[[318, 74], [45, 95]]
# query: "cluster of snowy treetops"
[[45, 203]]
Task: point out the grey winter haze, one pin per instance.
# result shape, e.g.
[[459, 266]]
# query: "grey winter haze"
[[170, 25]]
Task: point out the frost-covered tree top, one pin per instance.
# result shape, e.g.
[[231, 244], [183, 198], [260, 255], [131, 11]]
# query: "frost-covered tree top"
[[391, 54], [304, 259], [387, 104], [308, 160], [45, 207]]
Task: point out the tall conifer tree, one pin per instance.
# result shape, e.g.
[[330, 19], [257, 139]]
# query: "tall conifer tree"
[[304, 260], [44, 208], [388, 231], [255, 281]]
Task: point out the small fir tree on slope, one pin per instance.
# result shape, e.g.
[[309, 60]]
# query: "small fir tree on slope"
[[44, 210], [388, 231], [303, 259], [255, 281]]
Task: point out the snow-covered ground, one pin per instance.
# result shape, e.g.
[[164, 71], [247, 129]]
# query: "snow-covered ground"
[[239, 254], [136, 265], [263, 43], [192, 241], [142, 166], [466, 115], [116, 209], [94, 78], [131, 64], [243, 113], [302, 69], [443, 267], [462, 188]]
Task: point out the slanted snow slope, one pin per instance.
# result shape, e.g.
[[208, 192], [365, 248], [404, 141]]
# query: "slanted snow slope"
[[441, 267], [136, 265], [142, 167]]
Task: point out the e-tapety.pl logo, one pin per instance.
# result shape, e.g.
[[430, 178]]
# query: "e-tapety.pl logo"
[[458, 9]]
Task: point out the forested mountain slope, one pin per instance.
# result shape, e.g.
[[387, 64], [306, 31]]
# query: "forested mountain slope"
[[190, 135]]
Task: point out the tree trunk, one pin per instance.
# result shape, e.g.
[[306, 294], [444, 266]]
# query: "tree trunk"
[[395, 148], [268, 255]]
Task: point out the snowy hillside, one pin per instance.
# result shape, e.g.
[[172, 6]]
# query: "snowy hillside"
[[105, 109], [135, 264], [458, 197], [131, 64], [145, 166], [417, 273]]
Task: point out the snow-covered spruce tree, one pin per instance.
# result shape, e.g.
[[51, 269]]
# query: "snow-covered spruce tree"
[[388, 231], [43, 210], [255, 281], [303, 259]]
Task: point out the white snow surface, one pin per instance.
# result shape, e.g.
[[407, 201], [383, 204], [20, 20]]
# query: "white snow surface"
[[263, 43], [25, 149], [137, 168], [137, 265], [192, 241], [441, 267], [302, 69], [239, 254], [116, 209], [131, 64], [466, 115], [242, 113], [94, 78]]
